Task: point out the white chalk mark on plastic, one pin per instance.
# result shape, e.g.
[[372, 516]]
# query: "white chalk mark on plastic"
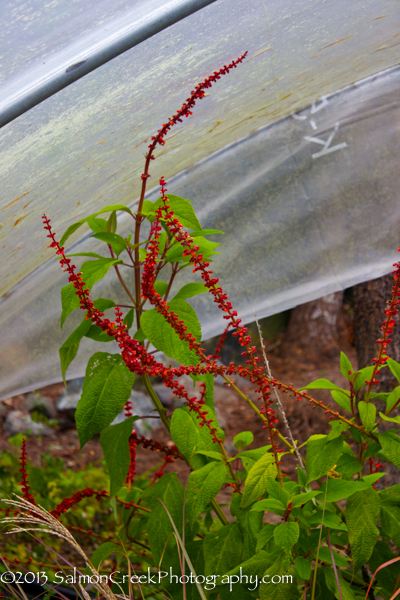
[[316, 107], [326, 144]]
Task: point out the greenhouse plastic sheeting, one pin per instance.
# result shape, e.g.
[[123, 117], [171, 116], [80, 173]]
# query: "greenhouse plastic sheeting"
[[307, 197]]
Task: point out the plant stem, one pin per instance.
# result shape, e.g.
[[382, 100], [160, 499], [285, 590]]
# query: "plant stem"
[[167, 423], [157, 403], [120, 277], [278, 400], [254, 407]]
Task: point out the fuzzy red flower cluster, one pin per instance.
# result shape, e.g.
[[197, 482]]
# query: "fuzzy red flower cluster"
[[67, 503], [197, 94], [220, 298], [171, 452], [387, 327], [24, 483]]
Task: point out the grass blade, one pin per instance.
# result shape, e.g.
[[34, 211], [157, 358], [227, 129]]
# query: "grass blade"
[[186, 555]]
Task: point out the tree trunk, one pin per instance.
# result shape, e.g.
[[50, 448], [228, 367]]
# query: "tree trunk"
[[313, 327], [370, 300]]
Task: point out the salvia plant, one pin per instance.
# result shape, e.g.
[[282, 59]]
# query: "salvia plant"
[[333, 535]]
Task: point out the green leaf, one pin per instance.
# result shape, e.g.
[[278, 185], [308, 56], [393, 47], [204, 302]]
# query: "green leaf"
[[102, 552], [159, 528], [208, 379], [390, 523], [331, 520], [361, 376], [250, 457], [113, 207], [394, 367], [275, 491], [338, 427], [183, 211], [190, 438], [98, 335], [270, 505], [163, 337], [115, 443], [107, 386], [391, 419], [362, 513], [346, 591], [367, 412], [91, 254], [325, 555], [211, 454], [161, 287], [71, 345], [393, 397], [256, 482], [243, 439], [72, 228], [237, 583], [322, 384], [103, 304], [189, 290], [390, 443], [140, 335], [321, 456], [128, 319], [301, 477], [94, 270], [345, 366], [342, 399], [255, 454], [286, 535], [97, 225], [286, 589], [388, 577], [303, 567], [348, 465], [339, 489], [69, 301], [203, 485], [372, 478], [112, 222], [303, 498], [95, 332], [222, 549], [206, 247], [250, 524], [372, 449], [266, 534], [206, 232], [116, 242]]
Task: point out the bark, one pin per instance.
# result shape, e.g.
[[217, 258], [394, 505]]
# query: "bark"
[[313, 327], [370, 299]]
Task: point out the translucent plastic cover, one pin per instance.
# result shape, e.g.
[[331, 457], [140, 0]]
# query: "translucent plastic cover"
[[307, 197]]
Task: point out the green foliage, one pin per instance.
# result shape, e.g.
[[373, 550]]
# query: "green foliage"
[[107, 387], [152, 522], [115, 443], [257, 478], [322, 455], [161, 334]]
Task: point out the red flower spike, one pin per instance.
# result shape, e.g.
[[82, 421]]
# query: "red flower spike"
[[24, 483]]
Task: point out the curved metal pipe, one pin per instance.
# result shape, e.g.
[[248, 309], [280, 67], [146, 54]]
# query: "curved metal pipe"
[[97, 58]]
